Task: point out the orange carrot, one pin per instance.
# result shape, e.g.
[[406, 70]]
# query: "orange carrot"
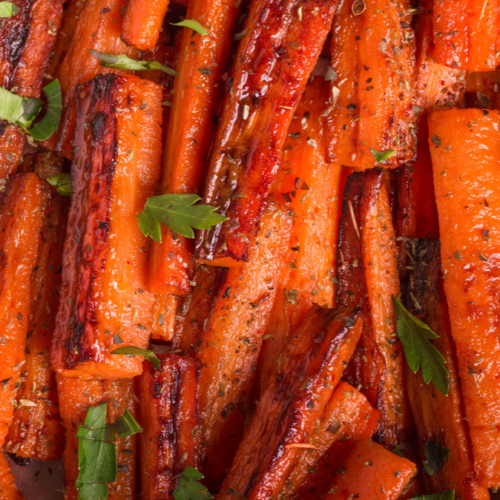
[[482, 90], [196, 96], [370, 471], [12, 141], [169, 416], [273, 63], [465, 149], [8, 490], [371, 104], [104, 302], [163, 321], [75, 398]]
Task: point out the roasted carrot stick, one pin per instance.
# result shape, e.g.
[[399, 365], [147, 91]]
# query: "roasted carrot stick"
[[295, 398], [21, 221], [75, 398], [8, 490], [465, 34], [482, 90], [371, 104], [368, 277], [196, 96], [12, 141], [104, 301], [273, 62], [169, 416], [465, 149], [229, 346], [163, 321], [437, 417], [370, 471]]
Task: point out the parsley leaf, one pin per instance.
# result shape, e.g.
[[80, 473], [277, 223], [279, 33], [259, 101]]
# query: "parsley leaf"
[[131, 350], [194, 25], [189, 487], [42, 130], [127, 425], [381, 156], [442, 495], [8, 9], [62, 183], [122, 61], [414, 335], [436, 455], [178, 212]]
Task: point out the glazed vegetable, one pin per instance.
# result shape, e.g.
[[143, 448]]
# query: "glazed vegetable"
[[8, 490], [104, 300], [465, 149]]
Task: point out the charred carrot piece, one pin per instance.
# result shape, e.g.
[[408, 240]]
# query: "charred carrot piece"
[[372, 92], [348, 415], [273, 64], [437, 417], [293, 401], [104, 302], [465, 34], [75, 398], [310, 187], [229, 346], [371, 471], [368, 277], [36, 430], [169, 416], [12, 141], [21, 222], [8, 490], [196, 96], [465, 149]]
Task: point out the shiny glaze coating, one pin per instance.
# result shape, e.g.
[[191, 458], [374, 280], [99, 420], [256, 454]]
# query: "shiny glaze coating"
[[104, 302], [169, 416], [273, 63], [465, 149]]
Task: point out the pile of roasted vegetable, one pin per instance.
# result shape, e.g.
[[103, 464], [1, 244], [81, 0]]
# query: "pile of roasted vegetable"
[[248, 248]]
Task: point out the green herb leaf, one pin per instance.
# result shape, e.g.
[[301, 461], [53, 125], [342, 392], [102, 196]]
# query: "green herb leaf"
[[189, 487], [442, 495], [178, 212], [96, 455], [131, 350], [397, 451], [11, 106], [436, 455], [8, 9], [122, 61], [414, 335], [62, 183], [150, 226], [194, 25], [49, 124], [381, 156], [127, 425]]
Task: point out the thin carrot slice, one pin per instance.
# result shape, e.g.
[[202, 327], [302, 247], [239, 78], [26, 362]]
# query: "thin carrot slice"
[[169, 416], [273, 63], [104, 302], [465, 149]]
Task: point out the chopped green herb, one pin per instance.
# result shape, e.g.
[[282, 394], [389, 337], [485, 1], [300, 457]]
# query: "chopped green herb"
[[8, 9], [131, 350], [194, 25], [436, 141], [381, 156], [44, 129], [436, 455], [62, 183], [397, 451], [127, 425], [189, 486], [442, 495]]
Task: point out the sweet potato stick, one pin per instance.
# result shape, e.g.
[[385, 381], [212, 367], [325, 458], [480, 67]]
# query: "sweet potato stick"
[[169, 416], [229, 346], [293, 401], [370, 471], [465, 149], [75, 398], [310, 187], [371, 102], [368, 277], [36, 430], [21, 221], [273, 63], [104, 302], [8, 490], [437, 417], [196, 95]]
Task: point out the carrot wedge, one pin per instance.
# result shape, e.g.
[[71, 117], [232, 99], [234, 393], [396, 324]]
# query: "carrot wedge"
[[104, 302], [229, 346], [370, 471], [196, 96], [465, 150], [8, 490], [293, 401], [273, 64], [437, 417], [169, 416], [368, 277], [372, 92], [75, 398]]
